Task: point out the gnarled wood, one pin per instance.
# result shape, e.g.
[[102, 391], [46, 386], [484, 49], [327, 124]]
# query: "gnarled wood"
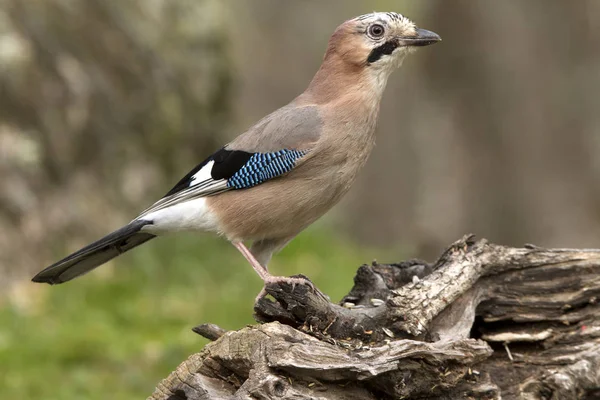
[[484, 322]]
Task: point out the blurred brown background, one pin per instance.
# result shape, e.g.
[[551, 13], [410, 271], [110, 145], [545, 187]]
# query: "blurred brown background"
[[104, 104]]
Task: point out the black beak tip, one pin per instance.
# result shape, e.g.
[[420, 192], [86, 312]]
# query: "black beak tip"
[[425, 38]]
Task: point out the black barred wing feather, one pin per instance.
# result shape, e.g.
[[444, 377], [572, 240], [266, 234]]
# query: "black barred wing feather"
[[228, 170], [264, 166]]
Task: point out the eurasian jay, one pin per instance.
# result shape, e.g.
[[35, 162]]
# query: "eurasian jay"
[[286, 171]]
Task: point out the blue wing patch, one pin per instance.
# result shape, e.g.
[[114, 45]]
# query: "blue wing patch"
[[264, 166]]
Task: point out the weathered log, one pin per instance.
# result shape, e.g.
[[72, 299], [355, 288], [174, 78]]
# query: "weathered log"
[[484, 322]]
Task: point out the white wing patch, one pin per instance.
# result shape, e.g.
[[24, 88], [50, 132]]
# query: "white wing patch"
[[202, 175]]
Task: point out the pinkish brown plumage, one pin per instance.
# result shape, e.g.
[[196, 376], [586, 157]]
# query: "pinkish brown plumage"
[[290, 168]]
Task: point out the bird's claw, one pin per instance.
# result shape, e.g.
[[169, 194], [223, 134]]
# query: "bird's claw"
[[293, 281]]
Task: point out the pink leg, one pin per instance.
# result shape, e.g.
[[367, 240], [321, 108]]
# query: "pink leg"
[[264, 274], [260, 270]]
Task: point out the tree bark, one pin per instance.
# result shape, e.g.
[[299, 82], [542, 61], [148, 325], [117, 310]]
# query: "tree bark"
[[483, 322]]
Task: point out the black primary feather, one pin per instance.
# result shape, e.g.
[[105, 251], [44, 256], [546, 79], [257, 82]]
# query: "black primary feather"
[[227, 163], [186, 180]]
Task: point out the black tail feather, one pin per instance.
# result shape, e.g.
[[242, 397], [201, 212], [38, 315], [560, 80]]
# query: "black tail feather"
[[95, 254]]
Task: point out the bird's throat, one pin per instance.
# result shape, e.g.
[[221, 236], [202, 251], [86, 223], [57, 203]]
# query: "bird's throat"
[[339, 82]]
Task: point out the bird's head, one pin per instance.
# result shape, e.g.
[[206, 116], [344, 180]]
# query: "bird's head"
[[362, 53], [378, 41]]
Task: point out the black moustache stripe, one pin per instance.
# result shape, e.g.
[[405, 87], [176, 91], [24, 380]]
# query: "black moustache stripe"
[[385, 49]]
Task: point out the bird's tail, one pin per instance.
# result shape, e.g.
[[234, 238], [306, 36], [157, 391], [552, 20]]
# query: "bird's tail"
[[95, 254]]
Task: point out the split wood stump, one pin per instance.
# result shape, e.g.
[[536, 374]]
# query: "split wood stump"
[[483, 322]]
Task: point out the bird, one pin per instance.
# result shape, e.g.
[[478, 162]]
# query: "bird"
[[282, 174]]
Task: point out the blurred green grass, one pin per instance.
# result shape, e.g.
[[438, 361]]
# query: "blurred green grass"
[[116, 332]]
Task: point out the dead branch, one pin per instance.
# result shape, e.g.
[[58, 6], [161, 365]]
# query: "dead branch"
[[483, 322]]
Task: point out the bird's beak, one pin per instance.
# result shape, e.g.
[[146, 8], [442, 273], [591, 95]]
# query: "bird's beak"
[[422, 38]]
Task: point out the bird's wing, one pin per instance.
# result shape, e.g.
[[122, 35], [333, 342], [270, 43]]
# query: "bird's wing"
[[268, 150], [290, 127]]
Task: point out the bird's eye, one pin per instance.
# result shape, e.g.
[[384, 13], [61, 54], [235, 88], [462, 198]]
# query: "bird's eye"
[[376, 31]]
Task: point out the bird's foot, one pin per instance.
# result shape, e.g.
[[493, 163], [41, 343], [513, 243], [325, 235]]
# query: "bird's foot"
[[263, 293], [293, 281]]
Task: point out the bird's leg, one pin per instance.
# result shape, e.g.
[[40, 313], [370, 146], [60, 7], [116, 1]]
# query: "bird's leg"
[[265, 275], [258, 267]]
